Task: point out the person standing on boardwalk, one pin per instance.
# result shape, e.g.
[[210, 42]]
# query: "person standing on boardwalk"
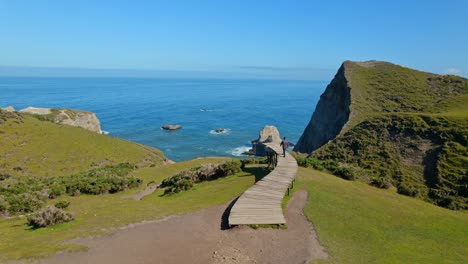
[[285, 144]]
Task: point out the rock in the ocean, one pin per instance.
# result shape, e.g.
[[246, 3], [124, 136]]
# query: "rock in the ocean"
[[71, 117], [269, 134], [9, 109], [219, 130], [171, 127]]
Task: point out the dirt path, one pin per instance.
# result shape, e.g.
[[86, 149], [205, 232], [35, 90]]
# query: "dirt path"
[[145, 192], [198, 238]]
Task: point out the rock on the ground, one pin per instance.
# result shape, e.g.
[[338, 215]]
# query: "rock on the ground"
[[171, 127], [219, 130], [71, 117]]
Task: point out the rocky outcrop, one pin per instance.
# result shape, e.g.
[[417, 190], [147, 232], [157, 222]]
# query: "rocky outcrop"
[[71, 117], [269, 134], [9, 109], [171, 127], [331, 114]]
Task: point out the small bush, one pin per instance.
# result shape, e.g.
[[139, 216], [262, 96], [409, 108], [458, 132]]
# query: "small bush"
[[56, 190], [344, 172], [185, 180], [254, 161], [50, 216], [62, 204], [4, 176], [230, 168], [24, 203], [4, 205], [382, 181], [309, 163], [407, 190]]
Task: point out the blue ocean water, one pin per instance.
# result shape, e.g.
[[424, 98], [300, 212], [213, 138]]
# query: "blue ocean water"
[[134, 109]]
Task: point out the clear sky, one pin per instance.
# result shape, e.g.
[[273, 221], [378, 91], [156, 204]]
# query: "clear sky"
[[293, 39]]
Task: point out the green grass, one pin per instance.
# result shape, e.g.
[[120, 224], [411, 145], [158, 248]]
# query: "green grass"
[[96, 214], [380, 87], [408, 128], [360, 224], [41, 148]]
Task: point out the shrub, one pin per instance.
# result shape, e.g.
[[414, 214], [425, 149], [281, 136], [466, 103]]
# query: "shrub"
[[50, 216], [309, 162], [230, 168], [208, 172], [185, 180], [407, 190], [180, 185], [344, 172], [4, 176], [28, 194], [62, 204], [57, 189], [24, 203], [4, 205], [382, 181], [254, 161]]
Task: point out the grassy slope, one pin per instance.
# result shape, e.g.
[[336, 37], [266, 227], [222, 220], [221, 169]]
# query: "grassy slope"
[[361, 224], [44, 148], [97, 213], [398, 116], [355, 222]]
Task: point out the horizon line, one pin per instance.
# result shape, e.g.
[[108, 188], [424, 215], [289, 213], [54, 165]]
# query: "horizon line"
[[236, 72]]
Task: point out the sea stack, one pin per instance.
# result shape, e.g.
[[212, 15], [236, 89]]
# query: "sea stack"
[[269, 134]]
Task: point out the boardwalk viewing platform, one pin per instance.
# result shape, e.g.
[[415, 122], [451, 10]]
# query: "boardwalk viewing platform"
[[261, 203]]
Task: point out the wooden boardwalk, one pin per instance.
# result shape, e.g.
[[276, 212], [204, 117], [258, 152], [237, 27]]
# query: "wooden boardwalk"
[[261, 203]]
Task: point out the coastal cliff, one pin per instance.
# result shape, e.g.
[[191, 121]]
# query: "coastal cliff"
[[331, 114], [71, 117], [395, 126]]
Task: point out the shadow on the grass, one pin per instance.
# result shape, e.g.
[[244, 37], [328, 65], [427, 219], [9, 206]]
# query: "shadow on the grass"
[[258, 172]]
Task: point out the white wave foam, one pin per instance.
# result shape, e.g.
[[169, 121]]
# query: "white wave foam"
[[239, 152], [105, 132], [226, 131]]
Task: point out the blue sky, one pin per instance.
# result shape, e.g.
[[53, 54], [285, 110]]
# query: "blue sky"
[[287, 39]]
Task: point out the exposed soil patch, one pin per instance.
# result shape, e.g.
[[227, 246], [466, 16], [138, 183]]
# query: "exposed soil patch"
[[147, 191], [198, 238]]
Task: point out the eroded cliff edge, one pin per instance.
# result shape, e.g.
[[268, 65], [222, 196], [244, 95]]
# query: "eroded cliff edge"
[[71, 117], [330, 115], [391, 125]]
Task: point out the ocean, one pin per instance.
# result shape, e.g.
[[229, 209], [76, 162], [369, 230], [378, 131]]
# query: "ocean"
[[135, 109]]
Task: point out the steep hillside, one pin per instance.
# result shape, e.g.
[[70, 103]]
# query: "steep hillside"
[[33, 147], [401, 126]]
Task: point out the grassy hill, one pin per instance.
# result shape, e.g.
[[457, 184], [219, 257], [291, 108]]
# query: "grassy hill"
[[405, 128], [31, 147], [360, 224]]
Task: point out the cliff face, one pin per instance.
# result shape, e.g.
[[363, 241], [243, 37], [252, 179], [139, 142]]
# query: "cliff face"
[[395, 126], [71, 117], [331, 114]]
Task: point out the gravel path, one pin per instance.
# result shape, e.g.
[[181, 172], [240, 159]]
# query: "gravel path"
[[201, 237]]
